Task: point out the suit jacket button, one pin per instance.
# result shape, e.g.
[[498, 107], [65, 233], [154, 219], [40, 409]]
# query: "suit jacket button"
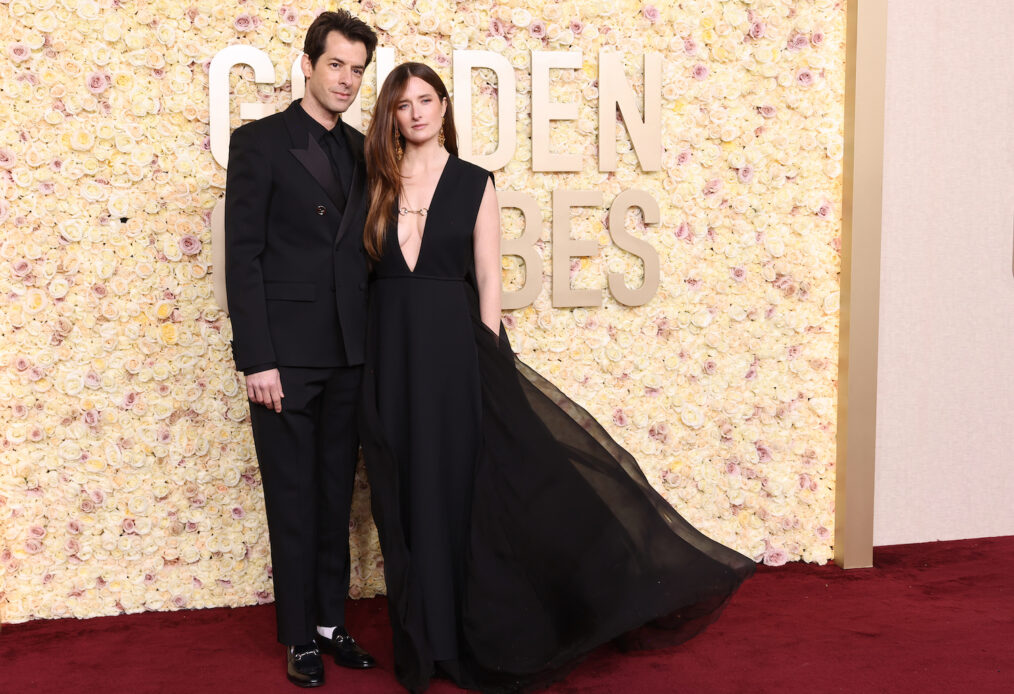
[[321, 210]]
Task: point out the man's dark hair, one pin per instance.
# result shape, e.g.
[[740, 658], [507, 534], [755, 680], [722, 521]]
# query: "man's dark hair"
[[352, 28]]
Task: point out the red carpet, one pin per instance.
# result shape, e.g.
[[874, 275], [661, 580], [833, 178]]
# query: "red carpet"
[[935, 617]]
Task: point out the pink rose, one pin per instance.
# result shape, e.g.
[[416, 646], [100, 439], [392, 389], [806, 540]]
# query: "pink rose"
[[37, 532], [19, 52], [576, 26], [700, 71], [683, 157], [496, 27], [238, 512], [738, 273], [805, 78], [537, 29], [767, 111], [709, 367], [92, 380], [763, 452], [775, 556], [36, 434], [817, 38], [288, 15], [262, 597], [129, 400], [620, 418], [712, 187], [33, 546], [797, 42], [684, 232], [71, 546], [731, 468], [757, 30], [244, 22], [823, 533], [74, 527], [127, 525], [98, 82], [825, 210], [745, 174], [21, 268], [179, 601], [689, 46], [659, 432], [7, 158], [650, 13], [190, 245]]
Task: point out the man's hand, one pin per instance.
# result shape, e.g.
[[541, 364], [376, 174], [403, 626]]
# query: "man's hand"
[[265, 388]]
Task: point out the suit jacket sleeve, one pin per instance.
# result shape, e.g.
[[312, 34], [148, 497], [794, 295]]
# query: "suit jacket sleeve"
[[247, 196]]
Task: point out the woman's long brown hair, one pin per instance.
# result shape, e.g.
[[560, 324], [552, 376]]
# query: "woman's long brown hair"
[[383, 174]]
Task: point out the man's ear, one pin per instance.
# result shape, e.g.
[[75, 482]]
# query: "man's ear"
[[307, 66]]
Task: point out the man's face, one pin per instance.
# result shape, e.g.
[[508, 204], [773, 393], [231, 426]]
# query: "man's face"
[[334, 81]]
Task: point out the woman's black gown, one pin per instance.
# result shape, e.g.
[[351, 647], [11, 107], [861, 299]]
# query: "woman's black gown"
[[517, 535]]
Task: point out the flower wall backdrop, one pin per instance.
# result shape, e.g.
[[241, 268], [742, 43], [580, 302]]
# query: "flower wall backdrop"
[[127, 475]]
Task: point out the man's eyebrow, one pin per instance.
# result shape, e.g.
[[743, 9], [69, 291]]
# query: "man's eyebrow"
[[338, 59]]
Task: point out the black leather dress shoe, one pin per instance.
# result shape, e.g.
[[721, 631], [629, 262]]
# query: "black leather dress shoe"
[[304, 666], [345, 650]]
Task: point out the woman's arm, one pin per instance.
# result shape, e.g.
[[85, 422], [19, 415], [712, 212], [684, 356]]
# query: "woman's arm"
[[486, 247]]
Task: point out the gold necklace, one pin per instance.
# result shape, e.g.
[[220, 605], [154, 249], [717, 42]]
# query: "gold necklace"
[[421, 211]]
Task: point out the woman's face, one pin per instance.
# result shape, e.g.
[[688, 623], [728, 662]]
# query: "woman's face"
[[419, 112]]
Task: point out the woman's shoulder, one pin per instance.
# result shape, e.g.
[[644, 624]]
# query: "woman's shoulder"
[[470, 170]]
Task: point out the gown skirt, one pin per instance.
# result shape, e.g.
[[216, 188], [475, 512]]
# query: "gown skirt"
[[517, 535]]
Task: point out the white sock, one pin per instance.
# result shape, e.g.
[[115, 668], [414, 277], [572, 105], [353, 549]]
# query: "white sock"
[[326, 632]]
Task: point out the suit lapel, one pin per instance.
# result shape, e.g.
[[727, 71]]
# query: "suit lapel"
[[356, 194], [309, 153]]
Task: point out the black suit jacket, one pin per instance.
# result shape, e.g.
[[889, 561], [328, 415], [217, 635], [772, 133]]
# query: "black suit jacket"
[[295, 267]]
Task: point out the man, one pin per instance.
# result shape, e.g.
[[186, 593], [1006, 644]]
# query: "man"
[[295, 206]]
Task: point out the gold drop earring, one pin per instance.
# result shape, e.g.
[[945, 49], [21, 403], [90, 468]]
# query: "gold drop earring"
[[398, 151], [440, 133]]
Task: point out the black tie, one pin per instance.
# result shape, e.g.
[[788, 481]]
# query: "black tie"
[[335, 148]]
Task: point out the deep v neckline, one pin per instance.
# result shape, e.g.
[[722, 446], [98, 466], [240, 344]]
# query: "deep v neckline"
[[426, 222]]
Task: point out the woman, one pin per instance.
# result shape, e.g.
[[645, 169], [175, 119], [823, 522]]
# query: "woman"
[[517, 535]]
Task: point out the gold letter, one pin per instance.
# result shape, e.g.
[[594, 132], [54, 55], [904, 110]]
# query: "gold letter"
[[523, 246], [631, 244], [218, 93], [544, 111], [615, 91], [507, 139], [565, 248]]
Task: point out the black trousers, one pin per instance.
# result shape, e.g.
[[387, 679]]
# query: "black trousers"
[[307, 455]]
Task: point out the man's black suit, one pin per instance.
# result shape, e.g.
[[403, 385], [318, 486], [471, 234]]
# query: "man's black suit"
[[296, 275]]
